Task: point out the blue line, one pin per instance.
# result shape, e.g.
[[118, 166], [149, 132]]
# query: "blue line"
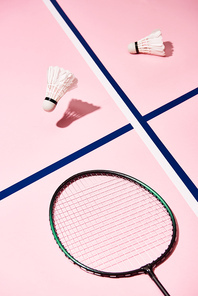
[[171, 104], [121, 93], [66, 160], [180, 172], [70, 158], [87, 149]]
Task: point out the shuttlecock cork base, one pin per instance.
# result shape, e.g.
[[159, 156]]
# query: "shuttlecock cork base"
[[49, 104], [59, 81], [152, 44]]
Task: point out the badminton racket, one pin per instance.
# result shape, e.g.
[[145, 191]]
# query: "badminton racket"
[[112, 225]]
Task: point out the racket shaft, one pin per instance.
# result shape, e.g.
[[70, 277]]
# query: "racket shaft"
[[157, 282]]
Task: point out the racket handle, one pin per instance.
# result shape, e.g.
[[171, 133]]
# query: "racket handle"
[[149, 271]]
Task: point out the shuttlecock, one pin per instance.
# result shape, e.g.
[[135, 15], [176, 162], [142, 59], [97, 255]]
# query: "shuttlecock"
[[152, 44], [59, 81]]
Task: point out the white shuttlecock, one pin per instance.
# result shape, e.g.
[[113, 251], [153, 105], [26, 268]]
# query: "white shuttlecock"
[[59, 81], [152, 44]]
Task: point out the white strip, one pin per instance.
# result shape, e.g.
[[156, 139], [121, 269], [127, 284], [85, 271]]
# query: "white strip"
[[126, 111]]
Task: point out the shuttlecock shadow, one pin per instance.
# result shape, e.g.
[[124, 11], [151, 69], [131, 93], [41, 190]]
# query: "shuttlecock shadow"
[[168, 48], [76, 109]]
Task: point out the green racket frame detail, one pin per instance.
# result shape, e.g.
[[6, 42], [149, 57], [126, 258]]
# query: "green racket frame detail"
[[147, 269]]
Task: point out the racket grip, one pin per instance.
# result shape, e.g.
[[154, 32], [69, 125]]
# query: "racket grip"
[[149, 271]]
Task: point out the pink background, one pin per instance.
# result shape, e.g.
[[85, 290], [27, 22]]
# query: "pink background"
[[31, 139]]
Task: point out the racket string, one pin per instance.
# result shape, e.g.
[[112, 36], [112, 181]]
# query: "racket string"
[[141, 227], [90, 206], [126, 237], [135, 216]]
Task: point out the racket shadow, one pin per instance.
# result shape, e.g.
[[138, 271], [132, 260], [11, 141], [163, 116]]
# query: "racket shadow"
[[76, 110]]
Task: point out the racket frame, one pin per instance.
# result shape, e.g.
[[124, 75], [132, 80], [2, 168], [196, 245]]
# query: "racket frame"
[[146, 269]]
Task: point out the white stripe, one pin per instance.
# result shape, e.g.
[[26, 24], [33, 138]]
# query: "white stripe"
[[126, 111]]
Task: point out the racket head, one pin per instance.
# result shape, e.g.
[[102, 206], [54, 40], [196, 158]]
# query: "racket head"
[[60, 214]]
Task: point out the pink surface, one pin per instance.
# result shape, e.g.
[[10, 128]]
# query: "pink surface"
[[31, 263], [149, 81], [32, 138]]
